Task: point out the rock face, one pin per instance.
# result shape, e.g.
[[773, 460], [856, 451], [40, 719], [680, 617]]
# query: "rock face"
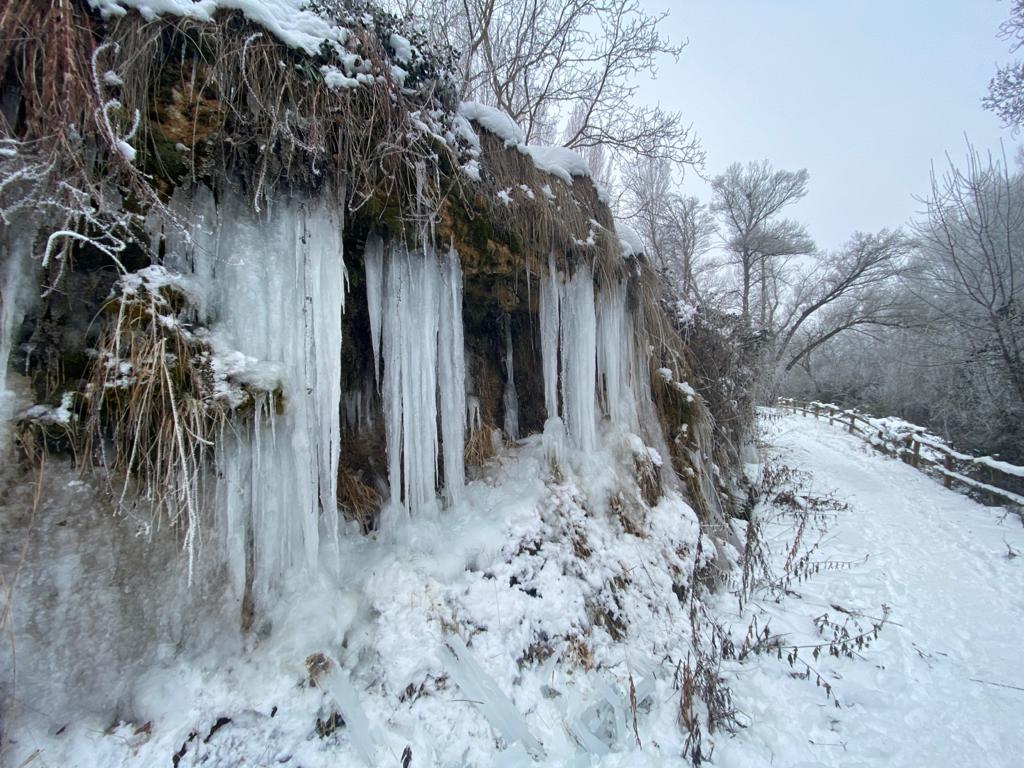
[[298, 329]]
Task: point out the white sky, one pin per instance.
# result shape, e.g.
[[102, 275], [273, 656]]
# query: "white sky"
[[865, 94]]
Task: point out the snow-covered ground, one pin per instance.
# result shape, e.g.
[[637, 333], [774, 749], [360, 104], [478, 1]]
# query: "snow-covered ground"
[[943, 684], [438, 645]]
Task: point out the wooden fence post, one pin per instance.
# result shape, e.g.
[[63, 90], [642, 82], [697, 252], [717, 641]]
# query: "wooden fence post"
[[917, 453], [853, 420], [831, 416], [946, 479]]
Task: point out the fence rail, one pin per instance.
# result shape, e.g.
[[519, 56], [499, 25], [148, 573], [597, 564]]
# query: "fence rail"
[[915, 446]]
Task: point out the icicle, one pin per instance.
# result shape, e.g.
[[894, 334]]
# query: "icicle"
[[480, 688], [549, 294], [473, 414], [411, 317], [337, 683], [614, 357], [275, 292], [16, 292], [373, 260], [424, 366], [510, 399], [451, 366], [579, 358]]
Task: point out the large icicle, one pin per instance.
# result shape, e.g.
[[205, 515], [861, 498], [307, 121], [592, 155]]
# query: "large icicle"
[[614, 357], [424, 365], [579, 358], [549, 294], [15, 292], [510, 399], [275, 293], [452, 377], [373, 260]]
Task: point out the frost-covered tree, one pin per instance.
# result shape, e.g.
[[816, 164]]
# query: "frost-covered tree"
[[677, 228], [1006, 90], [971, 275], [852, 289], [748, 199]]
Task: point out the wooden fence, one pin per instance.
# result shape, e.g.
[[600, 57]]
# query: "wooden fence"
[[913, 445]]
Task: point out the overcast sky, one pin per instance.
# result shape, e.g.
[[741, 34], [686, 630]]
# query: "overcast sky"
[[865, 94]]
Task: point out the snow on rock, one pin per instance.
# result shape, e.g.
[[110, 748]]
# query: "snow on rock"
[[562, 162], [494, 120], [293, 22], [629, 238]]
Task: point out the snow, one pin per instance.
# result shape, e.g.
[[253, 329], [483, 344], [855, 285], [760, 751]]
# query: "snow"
[[55, 415], [464, 643], [1002, 466], [402, 47], [335, 78], [562, 162], [629, 238], [494, 120], [293, 22], [126, 150], [940, 561]]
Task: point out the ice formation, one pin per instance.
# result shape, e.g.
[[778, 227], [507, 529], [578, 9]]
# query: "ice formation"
[[579, 358], [451, 360], [15, 292], [615, 369], [273, 289], [373, 261], [510, 399], [424, 364], [549, 294]]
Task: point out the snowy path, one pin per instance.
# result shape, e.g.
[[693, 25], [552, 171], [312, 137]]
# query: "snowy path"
[[940, 561]]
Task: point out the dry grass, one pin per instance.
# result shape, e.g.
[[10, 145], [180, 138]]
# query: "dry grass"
[[359, 501], [152, 419], [46, 48], [480, 446]]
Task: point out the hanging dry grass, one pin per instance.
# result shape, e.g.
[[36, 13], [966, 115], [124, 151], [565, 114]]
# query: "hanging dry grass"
[[150, 401], [46, 51]]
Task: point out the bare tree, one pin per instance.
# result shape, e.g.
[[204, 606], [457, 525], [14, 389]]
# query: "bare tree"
[[748, 199], [546, 61], [971, 271], [677, 228], [853, 289]]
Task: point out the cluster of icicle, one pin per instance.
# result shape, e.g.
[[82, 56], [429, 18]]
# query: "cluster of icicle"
[[271, 289]]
